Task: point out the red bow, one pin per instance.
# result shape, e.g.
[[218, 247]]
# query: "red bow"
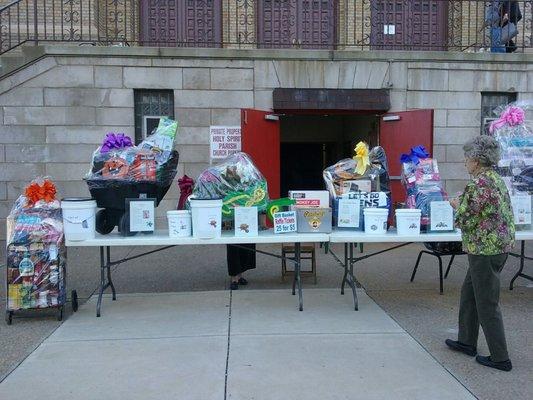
[[35, 192], [185, 184]]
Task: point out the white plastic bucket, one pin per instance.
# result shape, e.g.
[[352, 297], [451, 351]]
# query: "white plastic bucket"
[[206, 218], [376, 220], [79, 218], [179, 223], [408, 221]]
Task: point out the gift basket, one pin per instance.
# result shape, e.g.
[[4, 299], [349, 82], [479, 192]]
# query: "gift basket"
[[422, 182], [237, 181], [513, 129], [121, 171], [36, 252], [364, 177]]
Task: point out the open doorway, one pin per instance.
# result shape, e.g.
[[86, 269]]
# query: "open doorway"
[[310, 143]]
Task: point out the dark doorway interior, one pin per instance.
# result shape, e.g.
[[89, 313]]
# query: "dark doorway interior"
[[303, 164], [310, 143]]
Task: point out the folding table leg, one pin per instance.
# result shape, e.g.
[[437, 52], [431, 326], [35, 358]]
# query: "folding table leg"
[[519, 273], [352, 279], [297, 265], [102, 280], [345, 267], [108, 250]]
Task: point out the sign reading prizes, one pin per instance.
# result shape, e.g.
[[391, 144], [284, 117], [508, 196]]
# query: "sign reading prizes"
[[225, 141], [285, 222]]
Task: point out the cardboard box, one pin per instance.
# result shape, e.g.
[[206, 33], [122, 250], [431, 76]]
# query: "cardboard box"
[[310, 198], [314, 220]]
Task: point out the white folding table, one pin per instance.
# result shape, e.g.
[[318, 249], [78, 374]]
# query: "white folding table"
[[162, 240], [349, 238]]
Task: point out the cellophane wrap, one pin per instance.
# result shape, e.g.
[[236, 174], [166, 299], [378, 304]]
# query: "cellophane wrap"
[[371, 186], [36, 253], [342, 178], [152, 160], [237, 181], [422, 182], [513, 129]]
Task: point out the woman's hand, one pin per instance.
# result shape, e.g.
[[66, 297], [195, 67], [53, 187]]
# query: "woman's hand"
[[454, 202], [505, 18]]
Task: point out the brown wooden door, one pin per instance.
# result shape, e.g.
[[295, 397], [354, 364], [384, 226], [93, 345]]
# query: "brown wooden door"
[[296, 23], [316, 24], [409, 24], [398, 132], [186, 23], [159, 23]]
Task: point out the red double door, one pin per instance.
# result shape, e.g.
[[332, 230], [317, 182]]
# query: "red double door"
[[398, 132]]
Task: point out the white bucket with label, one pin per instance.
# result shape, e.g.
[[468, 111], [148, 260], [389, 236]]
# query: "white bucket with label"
[[408, 221], [179, 223], [376, 220], [79, 218], [206, 218]]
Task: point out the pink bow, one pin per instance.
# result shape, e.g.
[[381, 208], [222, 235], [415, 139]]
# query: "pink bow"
[[511, 116]]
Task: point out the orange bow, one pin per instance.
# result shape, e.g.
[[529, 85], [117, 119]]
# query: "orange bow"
[[35, 192]]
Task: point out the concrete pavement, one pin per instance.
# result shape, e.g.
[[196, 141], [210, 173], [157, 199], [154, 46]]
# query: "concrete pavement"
[[416, 307], [240, 345]]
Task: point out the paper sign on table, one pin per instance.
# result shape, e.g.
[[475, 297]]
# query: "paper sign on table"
[[285, 222], [246, 221], [142, 215], [441, 216], [521, 204], [349, 213]]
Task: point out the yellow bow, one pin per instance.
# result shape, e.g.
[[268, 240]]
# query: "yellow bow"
[[361, 157]]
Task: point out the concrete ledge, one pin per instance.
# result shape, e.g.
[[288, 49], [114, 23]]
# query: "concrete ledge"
[[278, 54], [31, 54]]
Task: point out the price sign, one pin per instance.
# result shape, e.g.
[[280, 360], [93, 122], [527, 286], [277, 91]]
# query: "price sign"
[[285, 222]]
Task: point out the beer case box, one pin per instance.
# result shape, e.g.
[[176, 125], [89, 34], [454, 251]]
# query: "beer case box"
[[314, 220], [309, 198]]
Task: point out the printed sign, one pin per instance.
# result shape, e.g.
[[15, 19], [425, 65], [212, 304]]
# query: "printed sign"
[[441, 216], [142, 215], [368, 200], [225, 140], [246, 223], [521, 209], [349, 213], [285, 222], [310, 198]]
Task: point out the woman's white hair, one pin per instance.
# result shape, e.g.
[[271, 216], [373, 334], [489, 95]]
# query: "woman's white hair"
[[485, 149]]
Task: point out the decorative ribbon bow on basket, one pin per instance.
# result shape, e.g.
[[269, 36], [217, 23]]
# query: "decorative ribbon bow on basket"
[[417, 153], [361, 158], [185, 184], [511, 116]]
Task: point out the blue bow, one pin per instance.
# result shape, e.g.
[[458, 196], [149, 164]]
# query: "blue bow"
[[417, 153]]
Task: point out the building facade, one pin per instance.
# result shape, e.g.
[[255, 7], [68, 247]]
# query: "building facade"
[[57, 101]]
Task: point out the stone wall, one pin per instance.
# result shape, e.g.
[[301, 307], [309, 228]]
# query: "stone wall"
[[55, 112]]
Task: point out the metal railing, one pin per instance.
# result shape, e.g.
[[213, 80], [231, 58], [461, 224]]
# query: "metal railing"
[[447, 25]]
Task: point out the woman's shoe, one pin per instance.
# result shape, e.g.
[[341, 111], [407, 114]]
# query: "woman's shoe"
[[234, 286], [501, 365], [463, 348], [242, 281]]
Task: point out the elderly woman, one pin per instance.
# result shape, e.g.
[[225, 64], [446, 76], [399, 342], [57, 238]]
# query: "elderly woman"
[[484, 214]]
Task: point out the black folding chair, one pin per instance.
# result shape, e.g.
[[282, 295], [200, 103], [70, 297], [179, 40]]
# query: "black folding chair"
[[439, 250]]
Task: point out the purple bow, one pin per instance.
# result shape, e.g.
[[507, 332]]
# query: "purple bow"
[[417, 153], [115, 141]]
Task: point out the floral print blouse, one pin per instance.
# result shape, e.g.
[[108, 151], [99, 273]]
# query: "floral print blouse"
[[485, 216]]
